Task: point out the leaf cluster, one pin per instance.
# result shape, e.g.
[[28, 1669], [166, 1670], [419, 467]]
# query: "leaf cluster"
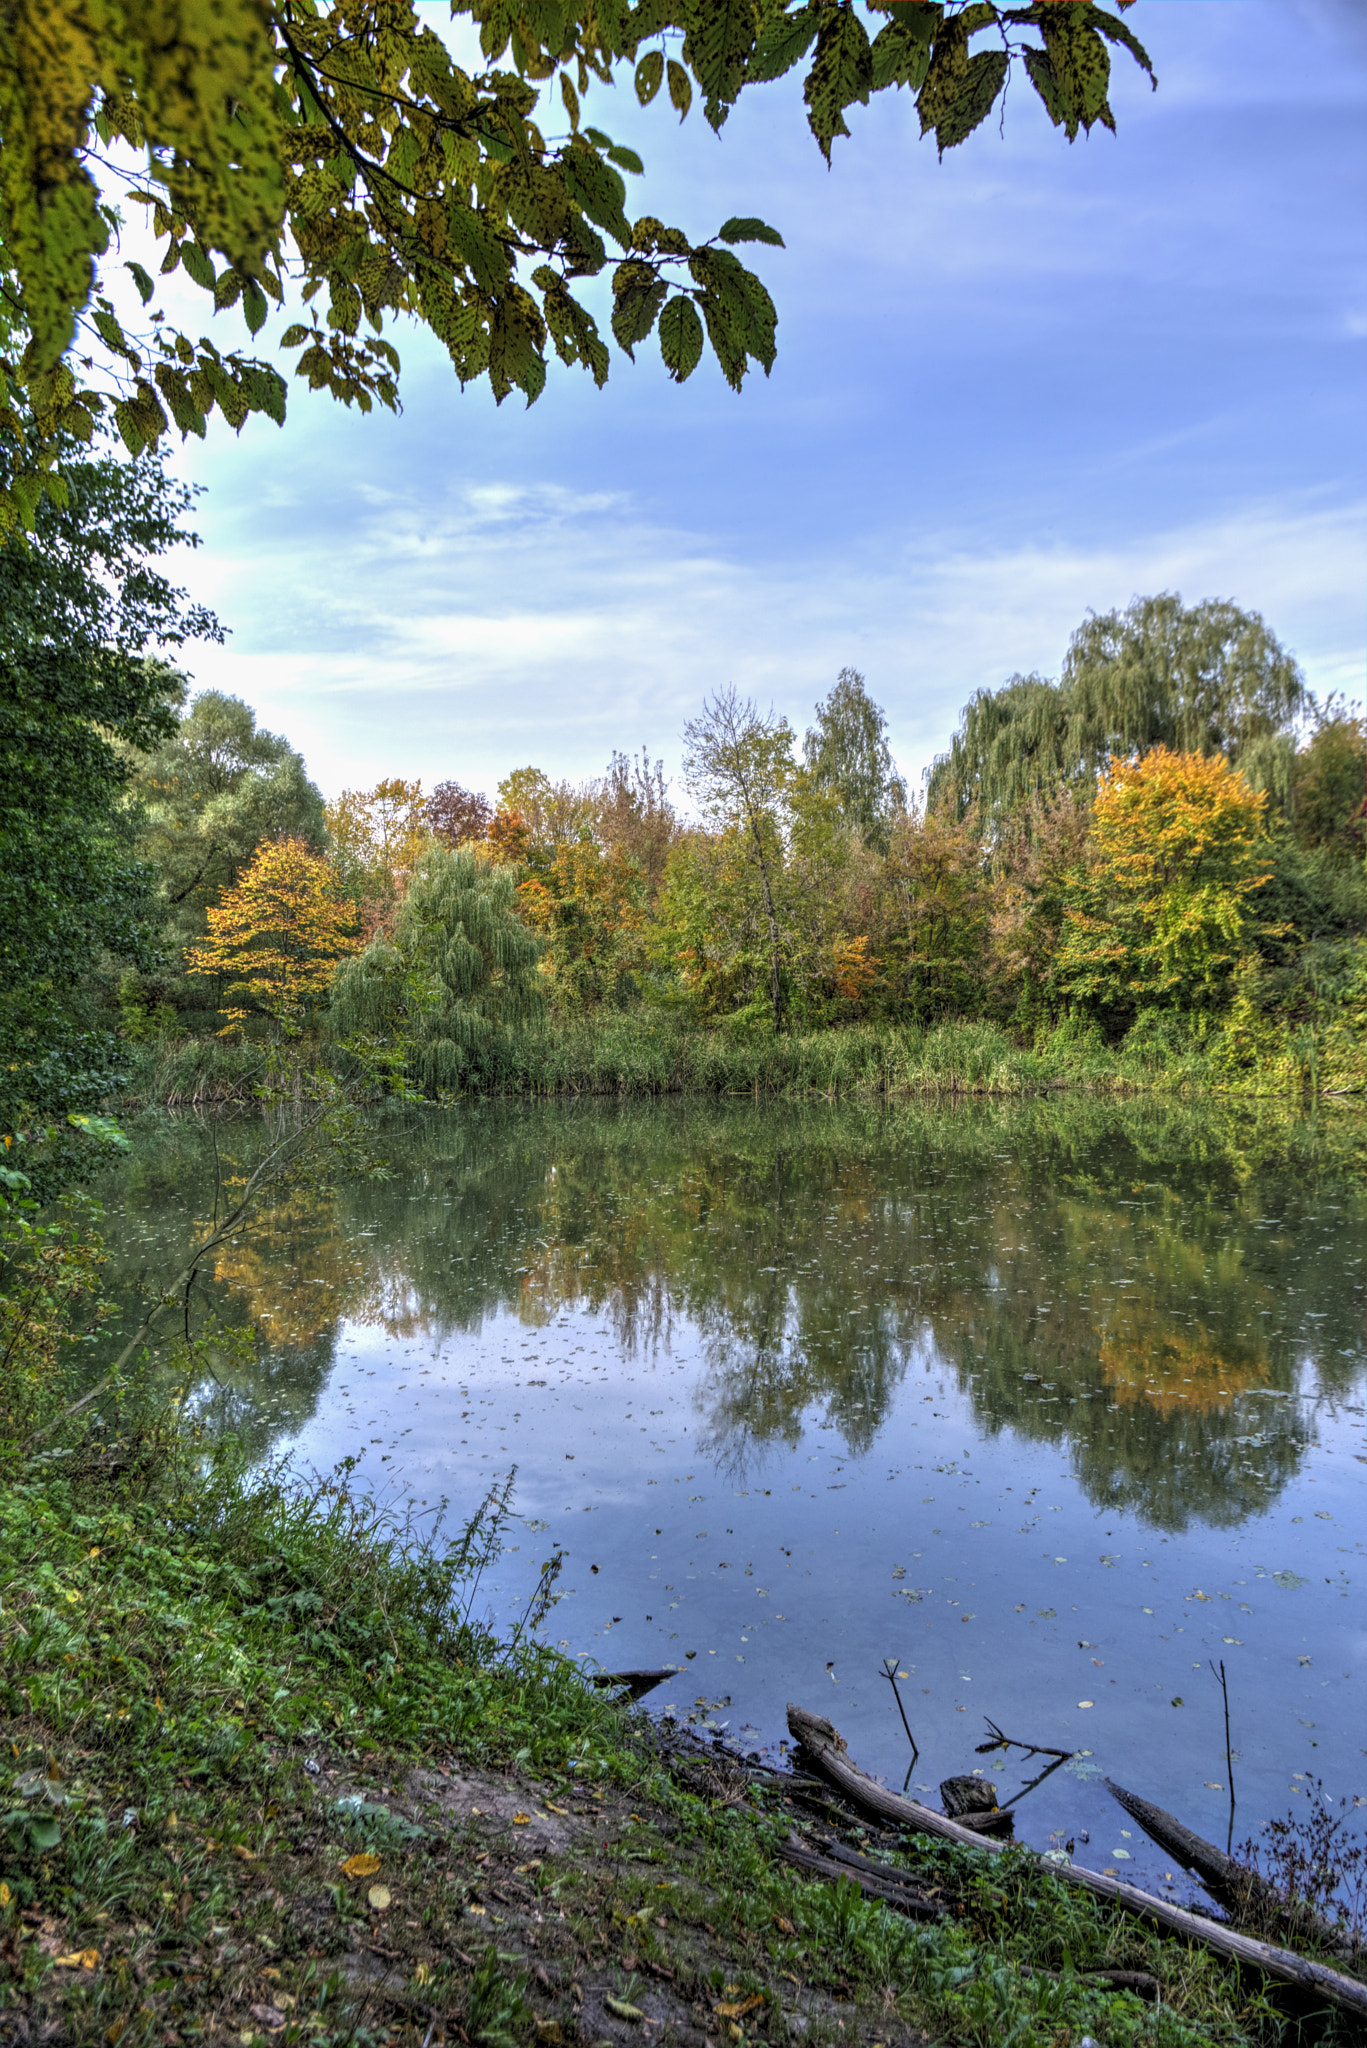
[[334, 158]]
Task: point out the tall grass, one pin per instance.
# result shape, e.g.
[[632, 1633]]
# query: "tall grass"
[[643, 1054]]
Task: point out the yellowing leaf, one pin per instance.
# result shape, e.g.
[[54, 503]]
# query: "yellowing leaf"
[[520, 1820], [378, 1897], [79, 1959], [364, 1865], [741, 2006]]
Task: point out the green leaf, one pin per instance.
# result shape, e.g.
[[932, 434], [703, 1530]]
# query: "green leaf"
[[900, 57], [174, 389], [102, 1128], [626, 159], [781, 44], [747, 230], [126, 420], [194, 260], [296, 336], [141, 280], [637, 297], [720, 38], [681, 338], [842, 72], [595, 187], [44, 1834], [598, 138], [984, 77], [479, 247], [1047, 84], [649, 73], [109, 330], [571, 99], [1116, 32], [680, 88]]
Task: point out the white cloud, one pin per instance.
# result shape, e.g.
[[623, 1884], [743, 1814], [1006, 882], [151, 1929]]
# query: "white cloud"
[[525, 622]]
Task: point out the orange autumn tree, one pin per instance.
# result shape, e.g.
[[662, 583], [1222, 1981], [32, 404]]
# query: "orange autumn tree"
[[1160, 911], [276, 937]]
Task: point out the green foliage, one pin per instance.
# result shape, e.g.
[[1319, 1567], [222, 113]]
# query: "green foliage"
[[459, 972], [81, 608], [1161, 911], [200, 805], [1329, 797], [344, 151], [738, 764], [847, 752], [1207, 679]]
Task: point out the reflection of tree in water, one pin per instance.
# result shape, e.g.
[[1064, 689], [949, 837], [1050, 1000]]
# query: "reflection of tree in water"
[[1095, 1273]]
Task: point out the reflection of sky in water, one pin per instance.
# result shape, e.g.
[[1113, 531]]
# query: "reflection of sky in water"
[[1054, 1404]]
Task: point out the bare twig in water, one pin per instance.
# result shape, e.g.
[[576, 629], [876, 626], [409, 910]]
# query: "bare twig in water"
[[890, 1673], [1000, 1741], [1229, 1753]]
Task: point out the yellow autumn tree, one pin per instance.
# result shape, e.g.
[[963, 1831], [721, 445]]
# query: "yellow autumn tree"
[[1160, 911], [276, 938]]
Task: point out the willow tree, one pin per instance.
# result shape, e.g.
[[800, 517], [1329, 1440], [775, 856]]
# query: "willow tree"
[[334, 157], [458, 973], [1205, 679]]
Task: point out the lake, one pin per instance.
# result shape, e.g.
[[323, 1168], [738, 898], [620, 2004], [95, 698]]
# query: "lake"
[[1059, 1404]]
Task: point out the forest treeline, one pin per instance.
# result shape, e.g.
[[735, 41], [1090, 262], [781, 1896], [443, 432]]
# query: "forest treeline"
[[1158, 855], [1163, 846]]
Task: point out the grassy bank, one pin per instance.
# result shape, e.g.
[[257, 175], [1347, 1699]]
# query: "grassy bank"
[[639, 1053], [267, 1778]]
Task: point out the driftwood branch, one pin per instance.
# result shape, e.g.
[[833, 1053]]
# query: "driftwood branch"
[[1236, 1887], [826, 1746]]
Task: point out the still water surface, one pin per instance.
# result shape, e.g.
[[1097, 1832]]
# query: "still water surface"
[[1054, 1403]]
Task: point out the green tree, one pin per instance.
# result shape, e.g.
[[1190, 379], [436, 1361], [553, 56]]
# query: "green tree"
[[82, 609], [341, 152], [847, 752], [1329, 795], [459, 971], [201, 804], [1206, 678], [738, 765]]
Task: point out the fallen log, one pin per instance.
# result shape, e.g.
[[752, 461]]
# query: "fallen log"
[[826, 1746], [875, 1882], [1236, 1887]]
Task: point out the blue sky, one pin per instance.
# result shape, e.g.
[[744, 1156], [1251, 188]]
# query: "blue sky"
[[1022, 382]]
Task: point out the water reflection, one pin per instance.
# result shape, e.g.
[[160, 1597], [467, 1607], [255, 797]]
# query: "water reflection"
[[1129, 1282]]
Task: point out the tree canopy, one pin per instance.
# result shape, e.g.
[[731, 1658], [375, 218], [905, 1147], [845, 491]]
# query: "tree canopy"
[[335, 155], [847, 752], [83, 613], [1205, 678]]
